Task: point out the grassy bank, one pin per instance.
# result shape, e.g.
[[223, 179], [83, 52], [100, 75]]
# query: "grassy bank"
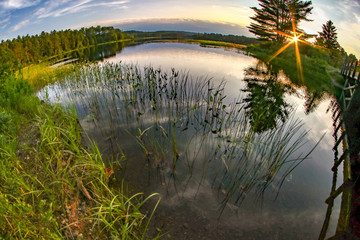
[[50, 186], [319, 72], [206, 43], [41, 74]]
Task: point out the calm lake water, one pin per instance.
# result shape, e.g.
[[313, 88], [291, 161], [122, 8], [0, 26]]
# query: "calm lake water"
[[206, 193]]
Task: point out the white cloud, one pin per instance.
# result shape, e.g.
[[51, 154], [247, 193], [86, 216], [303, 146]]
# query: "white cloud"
[[18, 4], [20, 25], [48, 7], [5, 21], [62, 8]]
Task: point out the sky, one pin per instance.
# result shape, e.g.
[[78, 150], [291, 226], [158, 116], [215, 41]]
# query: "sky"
[[22, 17]]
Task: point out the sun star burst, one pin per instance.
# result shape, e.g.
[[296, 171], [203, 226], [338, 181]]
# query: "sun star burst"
[[292, 39]]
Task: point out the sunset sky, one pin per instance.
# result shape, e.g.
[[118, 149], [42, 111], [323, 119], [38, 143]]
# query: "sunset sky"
[[21, 17]]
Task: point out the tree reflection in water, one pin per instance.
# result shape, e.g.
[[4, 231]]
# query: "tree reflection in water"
[[264, 104]]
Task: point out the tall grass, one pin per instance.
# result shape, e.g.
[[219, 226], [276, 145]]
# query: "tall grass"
[[186, 127], [41, 74], [50, 186]]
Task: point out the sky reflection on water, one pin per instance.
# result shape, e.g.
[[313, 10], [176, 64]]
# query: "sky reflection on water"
[[299, 210]]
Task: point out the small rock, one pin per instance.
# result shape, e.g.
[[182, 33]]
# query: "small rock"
[[158, 229], [186, 225]]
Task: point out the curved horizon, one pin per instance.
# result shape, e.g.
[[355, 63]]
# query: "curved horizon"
[[22, 17]]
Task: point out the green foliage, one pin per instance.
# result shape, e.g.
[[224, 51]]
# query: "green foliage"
[[44, 171], [278, 15], [41, 184], [5, 64], [33, 49], [14, 93], [226, 38], [5, 122]]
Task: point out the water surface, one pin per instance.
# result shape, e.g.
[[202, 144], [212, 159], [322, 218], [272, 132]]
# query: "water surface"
[[196, 201]]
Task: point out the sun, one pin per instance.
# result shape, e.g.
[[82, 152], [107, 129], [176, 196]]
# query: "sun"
[[295, 40]]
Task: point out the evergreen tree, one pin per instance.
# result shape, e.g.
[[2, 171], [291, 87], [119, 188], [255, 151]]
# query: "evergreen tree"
[[328, 37], [275, 16]]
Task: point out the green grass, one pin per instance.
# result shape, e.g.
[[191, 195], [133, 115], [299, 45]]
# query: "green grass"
[[315, 63], [215, 43], [51, 187], [39, 75]]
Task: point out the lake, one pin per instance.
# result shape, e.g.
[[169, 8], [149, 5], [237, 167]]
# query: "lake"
[[220, 137]]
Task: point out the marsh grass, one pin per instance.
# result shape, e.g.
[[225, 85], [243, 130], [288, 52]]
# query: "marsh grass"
[[39, 75], [186, 128], [50, 186]]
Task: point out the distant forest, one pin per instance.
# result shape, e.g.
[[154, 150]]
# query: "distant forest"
[[162, 34], [226, 38], [197, 36], [24, 50]]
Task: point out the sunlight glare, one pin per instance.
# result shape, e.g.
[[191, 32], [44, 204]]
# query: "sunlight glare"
[[296, 40]]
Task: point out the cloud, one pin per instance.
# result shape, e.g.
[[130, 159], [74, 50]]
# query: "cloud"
[[19, 25], [60, 9], [5, 21], [18, 4], [179, 24]]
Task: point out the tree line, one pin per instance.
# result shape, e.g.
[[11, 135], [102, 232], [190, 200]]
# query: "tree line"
[[191, 35], [226, 38], [24, 50]]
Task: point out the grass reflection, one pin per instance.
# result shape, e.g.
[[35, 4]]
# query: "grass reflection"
[[189, 137]]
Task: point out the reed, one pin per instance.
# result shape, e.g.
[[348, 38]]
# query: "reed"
[[184, 124], [51, 187]]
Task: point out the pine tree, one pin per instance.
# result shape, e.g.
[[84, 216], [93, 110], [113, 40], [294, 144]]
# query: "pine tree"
[[275, 16], [328, 37]]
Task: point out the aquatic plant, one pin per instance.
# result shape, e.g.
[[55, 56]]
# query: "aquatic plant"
[[186, 127]]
